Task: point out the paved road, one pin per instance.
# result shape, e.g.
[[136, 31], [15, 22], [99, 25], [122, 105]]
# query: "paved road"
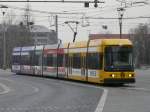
[[130, 98], [20, 93], [33, 94]]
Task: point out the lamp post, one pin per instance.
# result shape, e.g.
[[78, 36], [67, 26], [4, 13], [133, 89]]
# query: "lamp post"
[[3, 9], [120, 12]]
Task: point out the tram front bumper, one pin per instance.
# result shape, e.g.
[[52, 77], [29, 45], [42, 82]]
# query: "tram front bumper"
[[118, 80]]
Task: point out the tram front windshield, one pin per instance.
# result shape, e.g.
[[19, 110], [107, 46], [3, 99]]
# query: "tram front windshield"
[[118, 58]]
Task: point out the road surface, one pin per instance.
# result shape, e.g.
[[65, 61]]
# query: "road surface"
[[19, 93], [130, 98]]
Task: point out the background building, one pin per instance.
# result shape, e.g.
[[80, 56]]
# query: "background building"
[[19, 35], [42, 35]]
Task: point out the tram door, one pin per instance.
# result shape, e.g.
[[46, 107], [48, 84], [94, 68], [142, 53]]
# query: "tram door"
[[83, 65], [70, 63]]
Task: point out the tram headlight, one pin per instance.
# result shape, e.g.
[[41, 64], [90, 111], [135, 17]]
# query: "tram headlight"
[[112, 75], [130, 75]]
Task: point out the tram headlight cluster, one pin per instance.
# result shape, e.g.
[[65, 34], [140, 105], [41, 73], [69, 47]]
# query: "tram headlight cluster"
[[114, 75]]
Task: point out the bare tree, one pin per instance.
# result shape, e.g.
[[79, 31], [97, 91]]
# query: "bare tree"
[[15, 34], [10, 17], [141, 40]]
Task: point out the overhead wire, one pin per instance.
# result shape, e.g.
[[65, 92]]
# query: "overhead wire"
[[45, 12], [89, 17], [50, 1], [79, 18]]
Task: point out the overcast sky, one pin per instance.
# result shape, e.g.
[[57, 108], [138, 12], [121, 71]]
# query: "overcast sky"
[[108, 9]]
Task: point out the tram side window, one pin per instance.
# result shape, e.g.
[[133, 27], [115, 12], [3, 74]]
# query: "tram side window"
[[45, 60], [94, 61], [16, 59], [60, 60], [49, 60], [25, 59], [32, 57], [66, 60], [76, 60], [38, 58]]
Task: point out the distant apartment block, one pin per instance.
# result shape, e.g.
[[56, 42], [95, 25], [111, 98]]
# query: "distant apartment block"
[[42, 35]]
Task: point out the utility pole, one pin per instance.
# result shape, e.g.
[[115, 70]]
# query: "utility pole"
[[3, 8], [4, 45], [56, 26], [27, 15]]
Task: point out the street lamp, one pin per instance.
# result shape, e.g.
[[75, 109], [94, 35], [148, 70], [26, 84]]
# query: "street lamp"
[[120, 12], [3, 9]]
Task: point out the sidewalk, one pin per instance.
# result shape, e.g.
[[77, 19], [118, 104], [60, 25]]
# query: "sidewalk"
[[7, 70]]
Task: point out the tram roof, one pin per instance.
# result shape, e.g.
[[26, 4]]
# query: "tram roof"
[[117, 42], [98, 42]]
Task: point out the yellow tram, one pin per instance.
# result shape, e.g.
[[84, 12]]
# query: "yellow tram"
[[100, 61]]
